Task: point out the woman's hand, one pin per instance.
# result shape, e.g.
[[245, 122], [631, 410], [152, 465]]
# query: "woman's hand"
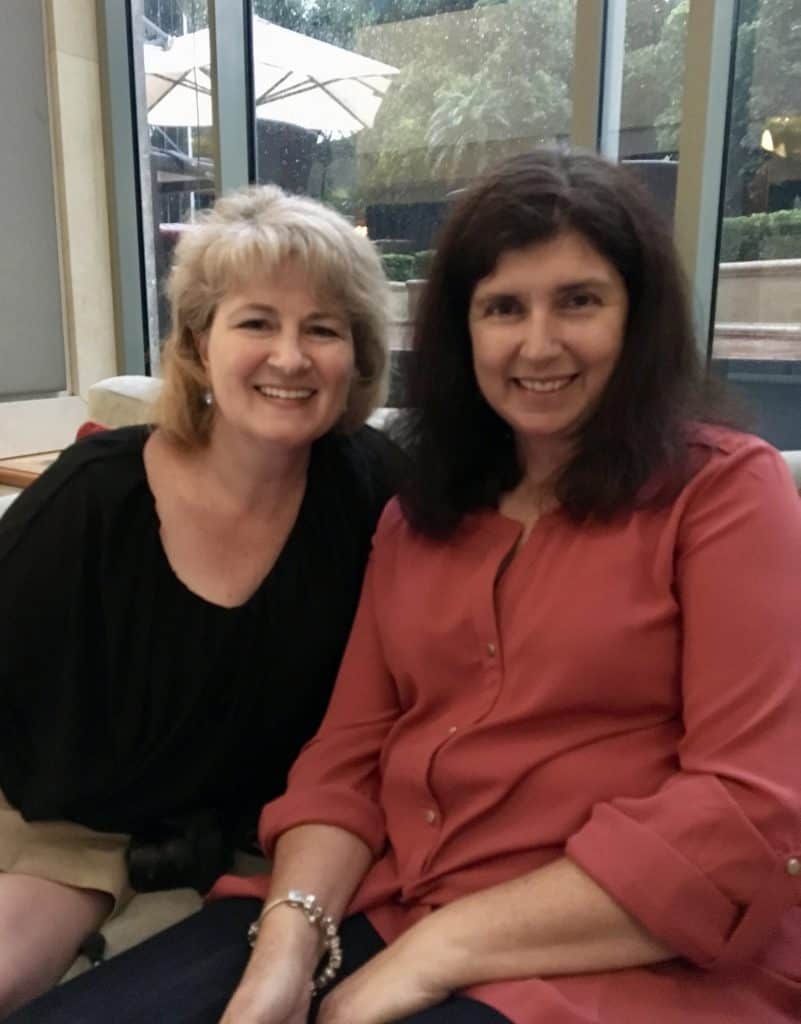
[[399, 981], [276, 985], [276, 993]]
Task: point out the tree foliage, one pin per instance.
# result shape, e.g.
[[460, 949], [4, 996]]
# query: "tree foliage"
[[482, 79], [475, 85]]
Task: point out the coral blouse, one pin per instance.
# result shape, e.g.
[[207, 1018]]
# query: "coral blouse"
[[626, 694]]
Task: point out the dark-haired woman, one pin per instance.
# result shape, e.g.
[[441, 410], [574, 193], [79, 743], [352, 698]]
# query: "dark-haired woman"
[[559, 781]]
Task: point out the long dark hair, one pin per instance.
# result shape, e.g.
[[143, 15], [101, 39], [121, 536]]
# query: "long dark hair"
[[463, 454]]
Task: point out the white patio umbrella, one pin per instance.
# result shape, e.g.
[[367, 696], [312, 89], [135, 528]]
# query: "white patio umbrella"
[[296, 79], [177, 81]]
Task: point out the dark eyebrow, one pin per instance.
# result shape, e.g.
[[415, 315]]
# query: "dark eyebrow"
[[587, 282], [497, 293], [600, 283]]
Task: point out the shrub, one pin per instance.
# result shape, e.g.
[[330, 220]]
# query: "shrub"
[[407, 266], [422, 262], [399, 266], [761, 236]]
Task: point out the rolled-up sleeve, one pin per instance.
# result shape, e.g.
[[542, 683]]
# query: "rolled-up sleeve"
[[711, 862], [336, 778]]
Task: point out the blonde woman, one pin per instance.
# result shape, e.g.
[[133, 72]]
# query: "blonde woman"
[[176, 598]]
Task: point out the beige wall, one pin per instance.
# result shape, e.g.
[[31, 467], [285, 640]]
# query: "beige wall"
[[758, 311], [81, 186], [71, 45], [763, 292]]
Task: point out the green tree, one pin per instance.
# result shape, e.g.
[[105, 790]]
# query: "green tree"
[[644, 22], [475, 85], [289, 14], [196, 13], [767, 81], [480, 79], [653, 66]]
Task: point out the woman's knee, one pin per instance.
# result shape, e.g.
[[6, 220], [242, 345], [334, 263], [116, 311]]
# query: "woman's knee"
[[42, 926], [185, 973]]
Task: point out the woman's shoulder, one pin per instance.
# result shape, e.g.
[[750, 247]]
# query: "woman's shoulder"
[[723, 440], [376, 450], [721, 448], [393, 521], [375, 463], [101, 458], [84, 475], [724, 461]]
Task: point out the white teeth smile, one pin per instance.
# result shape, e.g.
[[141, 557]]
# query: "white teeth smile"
[[269, 392], [553, 384]]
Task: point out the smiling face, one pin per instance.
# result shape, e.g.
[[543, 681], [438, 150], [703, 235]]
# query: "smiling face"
[[279, 359], [547, 329]]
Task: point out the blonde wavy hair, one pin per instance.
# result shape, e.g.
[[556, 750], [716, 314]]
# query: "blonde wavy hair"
[[255, 232]]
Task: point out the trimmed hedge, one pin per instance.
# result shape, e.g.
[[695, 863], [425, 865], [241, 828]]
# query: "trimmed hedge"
[[761, 236], [422, 262], [402, 266], [399, 266]]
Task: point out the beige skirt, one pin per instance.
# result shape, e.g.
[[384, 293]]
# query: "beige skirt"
[[62, 851]]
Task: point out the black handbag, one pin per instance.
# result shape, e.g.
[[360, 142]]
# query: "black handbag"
[[185, 851]]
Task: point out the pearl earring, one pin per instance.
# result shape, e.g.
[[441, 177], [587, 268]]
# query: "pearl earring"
[[208, 397]]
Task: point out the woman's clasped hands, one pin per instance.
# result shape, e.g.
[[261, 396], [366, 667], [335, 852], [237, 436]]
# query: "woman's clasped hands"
[[402, 980]]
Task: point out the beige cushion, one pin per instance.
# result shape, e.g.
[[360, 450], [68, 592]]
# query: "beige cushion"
[[123, 401], [146, 914], [152, 912]]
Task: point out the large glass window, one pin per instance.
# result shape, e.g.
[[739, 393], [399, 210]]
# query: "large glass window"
[[757, 342], [386, 108], [176, 146], [652, 93]]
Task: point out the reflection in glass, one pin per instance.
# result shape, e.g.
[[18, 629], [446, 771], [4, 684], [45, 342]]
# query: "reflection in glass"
[[758, 315], [652, 94], [386, 108], [177, 161]]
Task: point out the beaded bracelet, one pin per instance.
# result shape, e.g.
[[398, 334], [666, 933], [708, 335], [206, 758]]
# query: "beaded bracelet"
[[316, 916]]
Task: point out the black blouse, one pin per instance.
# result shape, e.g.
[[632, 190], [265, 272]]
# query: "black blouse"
[[126, 698]]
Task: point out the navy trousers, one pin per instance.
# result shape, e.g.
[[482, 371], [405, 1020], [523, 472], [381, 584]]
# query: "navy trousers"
[[187, 973]]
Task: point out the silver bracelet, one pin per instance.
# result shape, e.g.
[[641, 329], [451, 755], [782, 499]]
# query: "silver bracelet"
[[316, 916]]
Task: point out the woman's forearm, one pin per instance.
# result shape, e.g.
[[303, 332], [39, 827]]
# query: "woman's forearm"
[[553, 921], [320, 859]]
